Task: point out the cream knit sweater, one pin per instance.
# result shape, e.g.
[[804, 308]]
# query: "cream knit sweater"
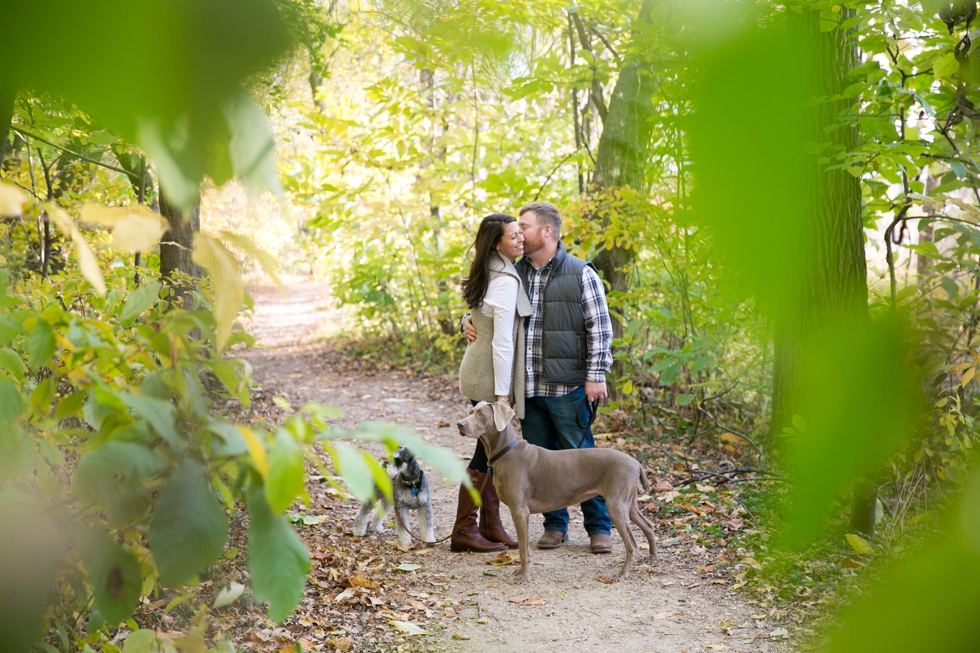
[[476, 373]]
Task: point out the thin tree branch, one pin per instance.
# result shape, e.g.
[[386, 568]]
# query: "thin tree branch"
[[605, 43], [73, 153], [595, 93]]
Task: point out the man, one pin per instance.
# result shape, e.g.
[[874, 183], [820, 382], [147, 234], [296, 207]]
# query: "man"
[[569, 352]]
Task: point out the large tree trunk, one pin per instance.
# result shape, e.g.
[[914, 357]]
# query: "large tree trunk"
[[177, 245], [833, 283], [622, 155], [8, 96]]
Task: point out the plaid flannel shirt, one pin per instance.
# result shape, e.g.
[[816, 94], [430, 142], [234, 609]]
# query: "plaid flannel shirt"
[[597, 323]]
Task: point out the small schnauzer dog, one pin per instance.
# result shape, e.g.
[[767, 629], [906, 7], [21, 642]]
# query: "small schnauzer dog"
[[411, 492]]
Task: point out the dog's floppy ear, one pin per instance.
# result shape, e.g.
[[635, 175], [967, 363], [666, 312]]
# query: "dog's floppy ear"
[[502, 414]]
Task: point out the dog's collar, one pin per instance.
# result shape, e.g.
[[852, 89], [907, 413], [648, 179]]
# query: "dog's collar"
[[414, 484], [500, 453]]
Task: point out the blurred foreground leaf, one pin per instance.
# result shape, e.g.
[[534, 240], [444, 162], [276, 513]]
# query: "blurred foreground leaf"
[[189, 527], [29, 546], [926, 603], [860, 398], [277, 559]]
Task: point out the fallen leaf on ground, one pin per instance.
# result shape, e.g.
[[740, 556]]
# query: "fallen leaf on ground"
[[228, 595], [407, 627], [504, 559], [779, 633], [460, 636], [360, 580], [526, 600], [605, 579], [408, 567], [664, 486]]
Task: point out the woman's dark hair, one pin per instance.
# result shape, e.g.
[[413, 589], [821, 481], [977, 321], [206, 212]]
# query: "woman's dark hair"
[[487, 236]]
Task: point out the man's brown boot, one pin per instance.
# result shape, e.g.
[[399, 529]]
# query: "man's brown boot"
[[600, 543], [490, 525], [466, 532], [552, 539]]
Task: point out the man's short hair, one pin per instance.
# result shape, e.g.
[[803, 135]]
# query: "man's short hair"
[[547, 214]]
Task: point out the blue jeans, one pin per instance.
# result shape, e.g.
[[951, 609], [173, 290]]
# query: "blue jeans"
[[556, 423]]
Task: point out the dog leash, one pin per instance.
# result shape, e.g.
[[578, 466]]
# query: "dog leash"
[[592, 408]]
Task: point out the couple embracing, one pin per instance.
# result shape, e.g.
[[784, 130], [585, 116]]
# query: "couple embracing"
[[540, 339]]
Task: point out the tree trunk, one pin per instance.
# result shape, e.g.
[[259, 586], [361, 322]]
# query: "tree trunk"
[[8, 96], [316, 80], [833, 282], [621, 158], [177, 245]]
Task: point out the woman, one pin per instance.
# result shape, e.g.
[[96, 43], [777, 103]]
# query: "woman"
[[493, 366]]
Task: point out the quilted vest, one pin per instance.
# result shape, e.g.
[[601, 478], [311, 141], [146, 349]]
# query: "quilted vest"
[[564, 339]]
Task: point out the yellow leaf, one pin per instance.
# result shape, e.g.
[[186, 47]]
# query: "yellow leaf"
[[268, 262], [87, 262], [969, 208], [968, 376], [858, 543], [407, 627], [256, 449], [135, 228], [12, 200], [229, 289]]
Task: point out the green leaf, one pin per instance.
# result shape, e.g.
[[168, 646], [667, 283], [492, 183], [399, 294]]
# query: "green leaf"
[[277, 559], [950, 286], [189, 527], [799, 424], [286, 474], [115, 576], [70, 406], [684, 400], [859, 544], [114, 475], [40, 344], [958, 169], [29, 549], [159, 413], [354, 470], [10, 362], [946, 65], [141, 641], [8, 329], [11, 403], [139, 300]]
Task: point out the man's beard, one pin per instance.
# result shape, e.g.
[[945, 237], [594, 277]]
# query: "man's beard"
[[531, 247]]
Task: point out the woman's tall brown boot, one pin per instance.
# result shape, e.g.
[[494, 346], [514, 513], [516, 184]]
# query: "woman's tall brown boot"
[[490, 525], [466, 532]]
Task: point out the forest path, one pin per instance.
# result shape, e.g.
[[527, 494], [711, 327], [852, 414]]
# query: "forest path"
[[669, 607]]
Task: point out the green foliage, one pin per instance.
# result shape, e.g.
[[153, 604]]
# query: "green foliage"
[[179, 97]]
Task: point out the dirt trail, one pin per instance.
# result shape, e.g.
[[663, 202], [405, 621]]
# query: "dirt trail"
[[670, 608]]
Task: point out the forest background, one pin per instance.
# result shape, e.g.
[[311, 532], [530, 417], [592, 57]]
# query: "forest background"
[[782, 199]]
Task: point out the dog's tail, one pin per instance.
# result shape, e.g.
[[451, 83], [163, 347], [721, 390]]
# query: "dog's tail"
[[643, 479]]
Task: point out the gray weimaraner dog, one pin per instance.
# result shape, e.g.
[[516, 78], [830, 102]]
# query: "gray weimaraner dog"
[[532, 479]]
